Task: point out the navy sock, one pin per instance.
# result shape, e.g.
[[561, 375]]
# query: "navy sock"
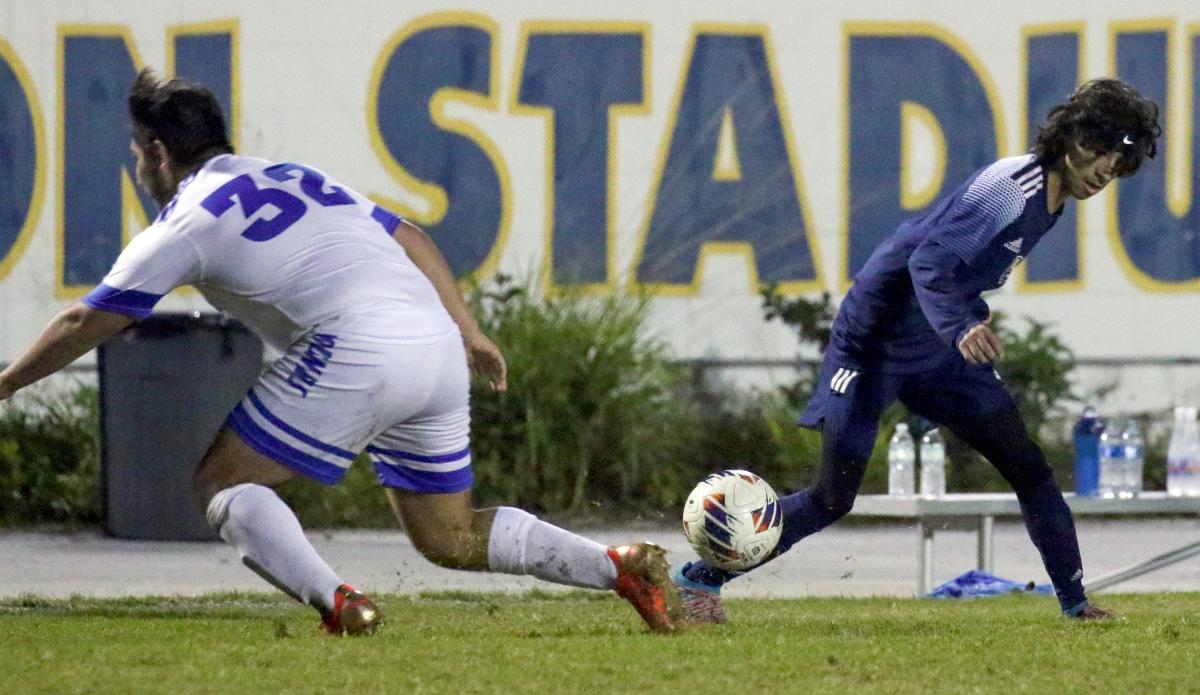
[[1048, 520], [801, 518]]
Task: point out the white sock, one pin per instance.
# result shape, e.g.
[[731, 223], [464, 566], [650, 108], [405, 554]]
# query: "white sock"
[[264, 530], [520, 543]]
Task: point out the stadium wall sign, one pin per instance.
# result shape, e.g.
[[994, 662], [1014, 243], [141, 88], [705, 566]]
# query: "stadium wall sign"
[[559, 146]]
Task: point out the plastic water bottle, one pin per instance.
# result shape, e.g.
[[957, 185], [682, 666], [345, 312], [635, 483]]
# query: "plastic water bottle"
[[1190, 474], [933, 464], [1087, 461], [1110, 453], [1183, 455], [1178, 450], [1190, 484], [1133, 460], [902, 457]]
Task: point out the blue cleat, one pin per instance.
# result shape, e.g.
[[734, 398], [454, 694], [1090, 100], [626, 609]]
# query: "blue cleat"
[[701, 602]]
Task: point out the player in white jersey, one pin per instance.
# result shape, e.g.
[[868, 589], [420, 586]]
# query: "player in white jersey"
[[375, 340]]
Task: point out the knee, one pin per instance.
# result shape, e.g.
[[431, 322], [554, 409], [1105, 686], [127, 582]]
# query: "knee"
[[1034, 479], [1027, 469], [834, 493]]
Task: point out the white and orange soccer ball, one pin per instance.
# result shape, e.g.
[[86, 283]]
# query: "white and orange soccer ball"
[[733, 519]]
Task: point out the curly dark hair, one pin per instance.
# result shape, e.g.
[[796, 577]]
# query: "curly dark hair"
[[1102, 116], [184, 116]]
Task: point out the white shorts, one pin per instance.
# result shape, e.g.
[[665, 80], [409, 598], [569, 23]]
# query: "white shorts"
[[333, 395]]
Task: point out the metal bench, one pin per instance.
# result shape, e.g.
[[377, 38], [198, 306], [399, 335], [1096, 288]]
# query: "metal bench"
[[979, 511]]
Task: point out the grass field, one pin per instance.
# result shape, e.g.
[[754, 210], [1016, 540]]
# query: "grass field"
[[592, 643]]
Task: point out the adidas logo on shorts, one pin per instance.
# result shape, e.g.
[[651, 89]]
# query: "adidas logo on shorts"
[[841, 380]]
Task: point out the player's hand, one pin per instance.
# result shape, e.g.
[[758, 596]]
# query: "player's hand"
[[6, 390], [486, 360], [980, 345]]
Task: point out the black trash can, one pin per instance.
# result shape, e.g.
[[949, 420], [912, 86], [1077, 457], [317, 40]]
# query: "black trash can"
[[166, 385]]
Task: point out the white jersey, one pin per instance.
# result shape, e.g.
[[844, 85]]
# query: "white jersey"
[[284, 249]]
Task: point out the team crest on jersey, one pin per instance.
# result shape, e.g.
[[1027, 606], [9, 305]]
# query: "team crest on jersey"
[[841, 380]]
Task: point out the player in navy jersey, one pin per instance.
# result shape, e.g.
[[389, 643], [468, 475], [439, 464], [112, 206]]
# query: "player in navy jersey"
[[374, 340], [914, 328]]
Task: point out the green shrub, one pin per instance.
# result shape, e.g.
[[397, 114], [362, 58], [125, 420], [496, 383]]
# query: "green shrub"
[[756, 432], [812, 321], [596, 417], [598, 420], [49, 458], [1036, 369]]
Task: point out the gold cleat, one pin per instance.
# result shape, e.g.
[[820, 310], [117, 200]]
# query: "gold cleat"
[[353, 614], [643, 580]]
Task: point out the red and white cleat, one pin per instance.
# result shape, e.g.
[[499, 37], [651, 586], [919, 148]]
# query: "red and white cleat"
[[643, 580], [353, 614]]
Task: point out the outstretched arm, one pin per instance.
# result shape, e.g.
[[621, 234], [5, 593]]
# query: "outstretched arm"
[[482, 354], [74, 331]]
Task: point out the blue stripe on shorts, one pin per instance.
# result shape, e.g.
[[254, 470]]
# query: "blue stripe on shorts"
[[266, 444], [309, 440], [424, 481]]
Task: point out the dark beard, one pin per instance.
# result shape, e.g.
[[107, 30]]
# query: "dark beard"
[[156, 185]]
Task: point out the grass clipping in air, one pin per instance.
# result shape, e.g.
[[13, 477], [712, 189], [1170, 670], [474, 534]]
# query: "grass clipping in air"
[[588, 642]]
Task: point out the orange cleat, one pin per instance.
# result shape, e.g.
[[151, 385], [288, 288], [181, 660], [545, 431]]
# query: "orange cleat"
[[642, 579], [353, 614]]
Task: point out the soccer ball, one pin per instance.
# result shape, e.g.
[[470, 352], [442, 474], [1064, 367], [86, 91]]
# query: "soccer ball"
[[732, 519]]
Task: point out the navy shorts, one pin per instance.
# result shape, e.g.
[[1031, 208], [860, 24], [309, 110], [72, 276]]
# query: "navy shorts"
[[849, 400]]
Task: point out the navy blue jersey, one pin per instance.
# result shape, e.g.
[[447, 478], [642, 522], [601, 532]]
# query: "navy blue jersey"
[[920, 291]]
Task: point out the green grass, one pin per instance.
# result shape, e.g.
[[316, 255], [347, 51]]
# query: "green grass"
[[591, 643]]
